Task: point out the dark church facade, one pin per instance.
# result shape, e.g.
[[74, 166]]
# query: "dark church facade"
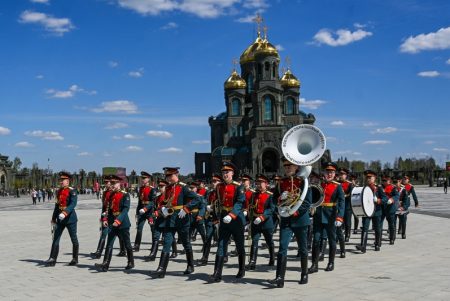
[[260, 107]]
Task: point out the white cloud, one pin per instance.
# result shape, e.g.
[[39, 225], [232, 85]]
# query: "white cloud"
[[311, 104], [199, 8], [348, 152], [116, 137], [428, 74], [84, 154], [40, 1], [386, 130], [429, 142], [331, 139], [24, 144], [279, 47], [136, 73], [200, 142], [39, 76], [369, 124], [441, 150], [4, 131], [339, 38], [431, 41], [72, 146], [159, 134], [71, 92], [448, 62], [170, 25], [247, 19], [133, 148], [116, 125], [106, 154], [116, 106], [337, 122], [130, 137], [359, 25], [113, 64], [57, 26], [45, 135], [171, 150], [377, 142], [258, 4]]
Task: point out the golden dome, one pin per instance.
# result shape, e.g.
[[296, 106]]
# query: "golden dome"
[[289, 80], [260, 46], [235, 81]]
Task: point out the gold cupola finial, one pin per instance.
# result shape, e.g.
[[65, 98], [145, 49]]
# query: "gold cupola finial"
[[288, 80], [258, 20], [234, 81]]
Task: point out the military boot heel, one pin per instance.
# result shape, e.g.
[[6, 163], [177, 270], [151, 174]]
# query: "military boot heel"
[[161, 270], [137, 241], [130, 258], [104, 267], [271, 254], [153, 252], [51, 261], [241, 260], [98, 254], [190, 262], [253, 254], [122, 252], [331, 255], [315, 259], [174, 249], [304, 275], [218, 266]]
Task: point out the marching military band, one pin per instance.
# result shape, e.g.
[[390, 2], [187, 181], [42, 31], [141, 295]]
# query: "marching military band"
[[228, 208]]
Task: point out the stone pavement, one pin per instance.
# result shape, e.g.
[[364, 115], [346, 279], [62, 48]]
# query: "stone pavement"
[[415, 268]]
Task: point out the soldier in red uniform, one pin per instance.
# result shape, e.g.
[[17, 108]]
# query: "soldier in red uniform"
[[64, 216], [198, 214], [347, 186], [390, 207], [145, 207], [260, 211], [328, 216], [406, 201], [103, 230], [119, 224]]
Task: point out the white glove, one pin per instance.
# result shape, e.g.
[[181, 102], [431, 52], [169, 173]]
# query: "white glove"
[[257, 221], [61, 216], [164, 211], [284, 195], [375, 199], [227, 219], [390, 201], [182, 213], [338, 223], [245, 212], [141, 211], [209, 208]]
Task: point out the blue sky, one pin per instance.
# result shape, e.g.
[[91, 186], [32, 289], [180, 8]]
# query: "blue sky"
[[93, 83]]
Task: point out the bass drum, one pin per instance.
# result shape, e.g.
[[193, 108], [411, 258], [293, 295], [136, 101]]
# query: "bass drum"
[[362, 201]]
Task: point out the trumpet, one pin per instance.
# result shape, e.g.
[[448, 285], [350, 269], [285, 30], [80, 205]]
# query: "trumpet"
[[302, 145]]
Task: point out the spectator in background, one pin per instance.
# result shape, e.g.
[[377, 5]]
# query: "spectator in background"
[[39, 195], [43, 195], [34, 196], [445, 185]]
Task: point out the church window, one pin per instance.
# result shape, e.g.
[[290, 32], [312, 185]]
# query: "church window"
[[241, 131], [235, 107], [233, 131], [268, 115], [274, 68], [250, 83], [290, 106], [267, 66]]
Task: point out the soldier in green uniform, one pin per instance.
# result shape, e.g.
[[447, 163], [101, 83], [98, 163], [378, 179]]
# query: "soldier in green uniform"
[[231, 198], [145, 207], [328, 216], [260, 214], [119, 224], [64, 216], [178, 202], [406, 202], [296, 224]]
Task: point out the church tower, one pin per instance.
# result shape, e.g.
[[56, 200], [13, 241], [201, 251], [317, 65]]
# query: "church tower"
[[260, 108]]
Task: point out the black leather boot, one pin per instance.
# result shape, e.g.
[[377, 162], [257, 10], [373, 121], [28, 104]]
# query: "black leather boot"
[[253, 255], [153, 251], [281, 271], [122, 252], [392, 237], [304, 274], [363, 245], [104, 267], [323, 247], [331, 255], [404, 228], [356, 222], [130, 258], [190, 262], [399, 227], [75, 250], [315, 259], [206, 250], [377, 241], [51, 261], [174, 249], [161, 270], [97, 254], [218, 266], [271, 254], [137, 241], [342, 248], [241, 260]]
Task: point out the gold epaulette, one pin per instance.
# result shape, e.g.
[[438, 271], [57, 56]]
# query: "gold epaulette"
[[269, 192], [181, 183], [71, 188], [235, 183], [335, 182], [123, 191], [252, 190]]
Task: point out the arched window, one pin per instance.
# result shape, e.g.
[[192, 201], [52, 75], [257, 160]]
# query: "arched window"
[[235, 107], [250, 83], [290, 106], [233, 131], [267, 108], [274, 68]]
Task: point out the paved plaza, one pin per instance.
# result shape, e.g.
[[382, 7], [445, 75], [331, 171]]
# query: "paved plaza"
[[415, 268]]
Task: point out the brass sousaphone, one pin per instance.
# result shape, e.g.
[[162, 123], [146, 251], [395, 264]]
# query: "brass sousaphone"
[[302, 145]]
